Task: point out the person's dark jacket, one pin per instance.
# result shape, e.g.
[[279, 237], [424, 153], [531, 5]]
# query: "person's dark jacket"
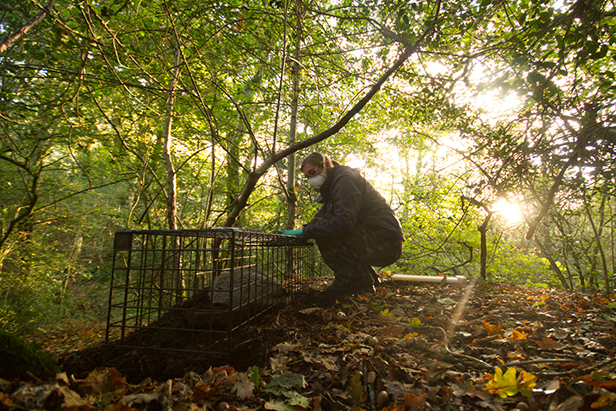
[[351, 200]]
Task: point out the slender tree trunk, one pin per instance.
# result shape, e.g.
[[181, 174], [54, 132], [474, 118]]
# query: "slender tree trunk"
[[291, 197], [210, 193], [252, 179], [171, 177], [483, 231], [552, 262], [589, 124], [73, 257], [597, 233]]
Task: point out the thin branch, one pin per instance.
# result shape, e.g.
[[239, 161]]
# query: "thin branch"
[[241, 201], [21, 32]]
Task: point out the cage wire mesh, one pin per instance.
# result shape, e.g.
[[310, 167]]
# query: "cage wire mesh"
[[191, 290]]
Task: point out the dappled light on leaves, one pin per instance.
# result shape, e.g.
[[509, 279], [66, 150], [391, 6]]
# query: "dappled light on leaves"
[[397, 346]]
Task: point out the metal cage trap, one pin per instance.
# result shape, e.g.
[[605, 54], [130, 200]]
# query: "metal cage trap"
[[191, 290]]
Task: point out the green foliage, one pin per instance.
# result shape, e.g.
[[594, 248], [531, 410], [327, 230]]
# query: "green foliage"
[[84, 104], [520, 266], [287, 387], [21, 360]]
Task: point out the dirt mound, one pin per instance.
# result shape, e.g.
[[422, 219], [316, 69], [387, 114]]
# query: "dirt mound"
[[251, 346]]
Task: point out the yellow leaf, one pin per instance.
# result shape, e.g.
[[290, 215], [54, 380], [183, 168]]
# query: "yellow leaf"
[[518, 336], [505, 385], [604, 400], [492, 330], [385, 313], [526, 383]]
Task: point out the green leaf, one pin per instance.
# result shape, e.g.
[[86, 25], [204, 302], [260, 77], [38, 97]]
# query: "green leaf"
[[285, 385], [298, 400], [356, 389], [254, 376]]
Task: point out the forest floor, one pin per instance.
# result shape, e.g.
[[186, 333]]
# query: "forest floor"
[[410, 346]]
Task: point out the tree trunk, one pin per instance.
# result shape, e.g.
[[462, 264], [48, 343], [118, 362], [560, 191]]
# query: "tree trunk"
[[483, 231], [589, 124], [291, 197], [552, 262], [597, 233], [171, 177]]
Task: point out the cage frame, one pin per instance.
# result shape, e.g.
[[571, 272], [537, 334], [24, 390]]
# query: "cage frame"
[[185, 254]]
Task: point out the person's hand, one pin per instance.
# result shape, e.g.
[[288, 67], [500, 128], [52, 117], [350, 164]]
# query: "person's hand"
[[290, 232]]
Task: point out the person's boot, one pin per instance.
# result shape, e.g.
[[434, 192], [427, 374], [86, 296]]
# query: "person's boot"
[[344, 285]]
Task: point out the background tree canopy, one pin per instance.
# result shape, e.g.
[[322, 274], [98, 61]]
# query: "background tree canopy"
[[127, 114]]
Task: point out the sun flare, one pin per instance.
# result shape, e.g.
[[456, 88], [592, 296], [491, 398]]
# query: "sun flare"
[[509, 210]]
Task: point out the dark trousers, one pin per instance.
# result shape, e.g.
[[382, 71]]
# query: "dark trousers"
[[352, 257]]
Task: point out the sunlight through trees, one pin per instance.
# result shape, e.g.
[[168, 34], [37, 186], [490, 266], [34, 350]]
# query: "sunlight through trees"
[[186, 114]]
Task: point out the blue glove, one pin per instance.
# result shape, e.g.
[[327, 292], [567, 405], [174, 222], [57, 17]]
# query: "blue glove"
[[290, 232]]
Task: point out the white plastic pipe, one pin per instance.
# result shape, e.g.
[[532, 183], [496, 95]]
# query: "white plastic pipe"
[[429, 278]]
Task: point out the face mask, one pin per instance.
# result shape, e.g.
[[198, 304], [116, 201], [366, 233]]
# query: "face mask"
[[317, 181]]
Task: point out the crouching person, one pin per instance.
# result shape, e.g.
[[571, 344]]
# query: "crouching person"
[[355, 229]]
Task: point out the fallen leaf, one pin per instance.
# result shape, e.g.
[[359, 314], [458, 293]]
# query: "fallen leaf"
[[202, 391], [551, 387], [390, 331], [279, 362], [414, 402], [570, 404], [148, 401], [518, 336], [287, 347], [101, 381], [278, 405], [243, 388], [505, 385], [606, 399], [461, 388], [549, 344], [399, 312], [526, 383], [385, 313], [492, 330]]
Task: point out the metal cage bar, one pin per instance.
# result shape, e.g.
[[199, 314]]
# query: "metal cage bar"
[[191, 290]]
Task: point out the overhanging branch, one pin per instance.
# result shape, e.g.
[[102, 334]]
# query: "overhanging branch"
[[252, 179]]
